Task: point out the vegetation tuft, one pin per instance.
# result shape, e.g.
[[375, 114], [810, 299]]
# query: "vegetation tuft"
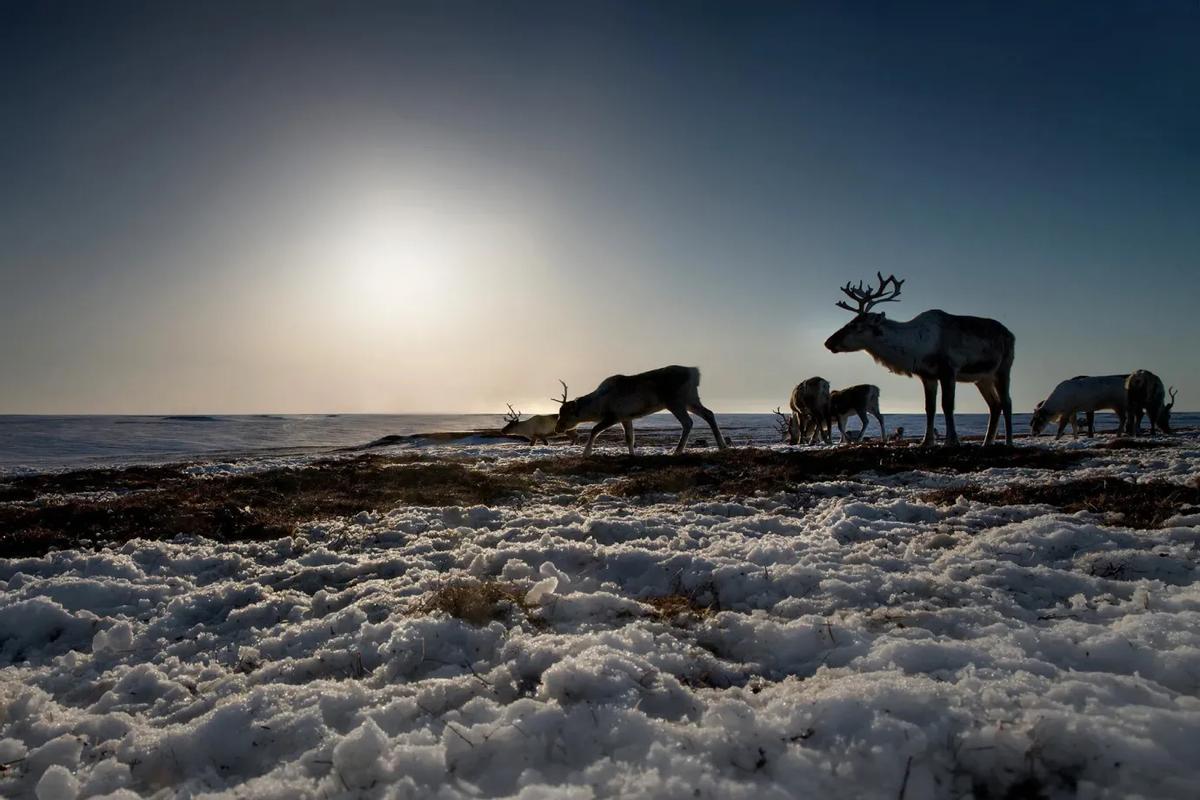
[[475, 602]]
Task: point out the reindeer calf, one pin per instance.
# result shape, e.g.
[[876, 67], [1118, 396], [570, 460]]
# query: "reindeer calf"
[[861, 399]]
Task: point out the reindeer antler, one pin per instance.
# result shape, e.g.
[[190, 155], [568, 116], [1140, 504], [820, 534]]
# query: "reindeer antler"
[[1172, 392], [512, 416], [868, 298], [783, 423], [564, 397]]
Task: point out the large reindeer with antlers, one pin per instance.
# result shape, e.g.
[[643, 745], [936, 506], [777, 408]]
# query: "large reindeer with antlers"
[[938, 348], [624, 398]]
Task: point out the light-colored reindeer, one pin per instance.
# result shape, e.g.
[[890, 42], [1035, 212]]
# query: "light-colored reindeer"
[[1083, 393], [624, 398], [538, 426], [938, 348], [861, 399]]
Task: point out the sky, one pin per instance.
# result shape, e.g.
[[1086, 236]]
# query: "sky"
[[447, 206]]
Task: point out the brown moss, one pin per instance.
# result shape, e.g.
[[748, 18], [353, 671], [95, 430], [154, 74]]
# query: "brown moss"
[[746, 471], [257, 506], [476, 602], [1126, 443], [1139, 505]]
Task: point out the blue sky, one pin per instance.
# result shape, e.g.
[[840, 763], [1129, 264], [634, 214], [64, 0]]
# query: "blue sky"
[[447, 206]]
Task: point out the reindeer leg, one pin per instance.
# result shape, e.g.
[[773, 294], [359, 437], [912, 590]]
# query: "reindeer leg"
[[597, 429], [711, 419], [992, 398], [627, 424], [1091, 423], [1003, 389], [1062, 426], [842, 429], [948, 410], [930, 385], [685, 422]]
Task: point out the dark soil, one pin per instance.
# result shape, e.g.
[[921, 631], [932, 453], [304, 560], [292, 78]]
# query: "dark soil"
[[1139, 505], [746, 471], [162, 502]]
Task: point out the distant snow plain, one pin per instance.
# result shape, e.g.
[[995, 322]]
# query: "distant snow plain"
[[867, 644]]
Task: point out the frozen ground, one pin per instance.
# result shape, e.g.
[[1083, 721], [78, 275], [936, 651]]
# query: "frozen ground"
[[841, 639]]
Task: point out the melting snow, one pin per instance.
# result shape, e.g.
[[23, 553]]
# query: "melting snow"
[[860, 644]]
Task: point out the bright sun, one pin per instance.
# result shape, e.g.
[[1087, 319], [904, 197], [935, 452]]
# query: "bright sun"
[[399, 264]]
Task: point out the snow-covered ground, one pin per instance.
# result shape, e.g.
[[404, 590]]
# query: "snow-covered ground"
[[845, 640]]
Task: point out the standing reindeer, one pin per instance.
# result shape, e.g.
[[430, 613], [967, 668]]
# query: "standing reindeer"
[[937, 348], [861, 400], [624, 398]]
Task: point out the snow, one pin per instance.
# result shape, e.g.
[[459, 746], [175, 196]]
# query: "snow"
[[843, 644]]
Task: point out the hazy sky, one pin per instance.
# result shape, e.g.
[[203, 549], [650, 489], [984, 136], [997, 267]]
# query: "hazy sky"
[[445, 206]]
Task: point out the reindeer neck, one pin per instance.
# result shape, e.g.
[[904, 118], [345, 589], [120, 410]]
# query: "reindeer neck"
[[903, 345]]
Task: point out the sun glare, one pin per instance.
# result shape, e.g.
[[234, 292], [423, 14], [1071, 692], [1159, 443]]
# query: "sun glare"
[[405, 265]]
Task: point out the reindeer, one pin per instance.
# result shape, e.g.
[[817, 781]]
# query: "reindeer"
[[861, 399], [1144, 395], [1083, 393], [624, 398], [538, 426], [810, 411], [937, 348]]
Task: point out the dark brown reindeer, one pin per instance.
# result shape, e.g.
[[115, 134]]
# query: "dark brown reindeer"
[[938, 348], [624, 398], [1145, 396]]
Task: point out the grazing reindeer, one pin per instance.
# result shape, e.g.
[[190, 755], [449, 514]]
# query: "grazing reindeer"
[[1086, 393], [1144, 395], [624, 398], [862, 399], [937, 348], [538, 426], [810, 411]]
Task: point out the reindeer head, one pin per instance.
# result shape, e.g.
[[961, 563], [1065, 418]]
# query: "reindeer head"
[[1041, 417], [510, 419], [866, 327], [1164, 415], [568, 411]]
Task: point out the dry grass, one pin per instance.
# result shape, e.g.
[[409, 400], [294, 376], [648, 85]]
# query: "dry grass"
[[476, 602], [253, 506], [1139, 505], [672, 606]]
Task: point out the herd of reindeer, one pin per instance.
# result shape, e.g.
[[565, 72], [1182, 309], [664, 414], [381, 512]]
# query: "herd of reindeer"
[[940, 349]]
